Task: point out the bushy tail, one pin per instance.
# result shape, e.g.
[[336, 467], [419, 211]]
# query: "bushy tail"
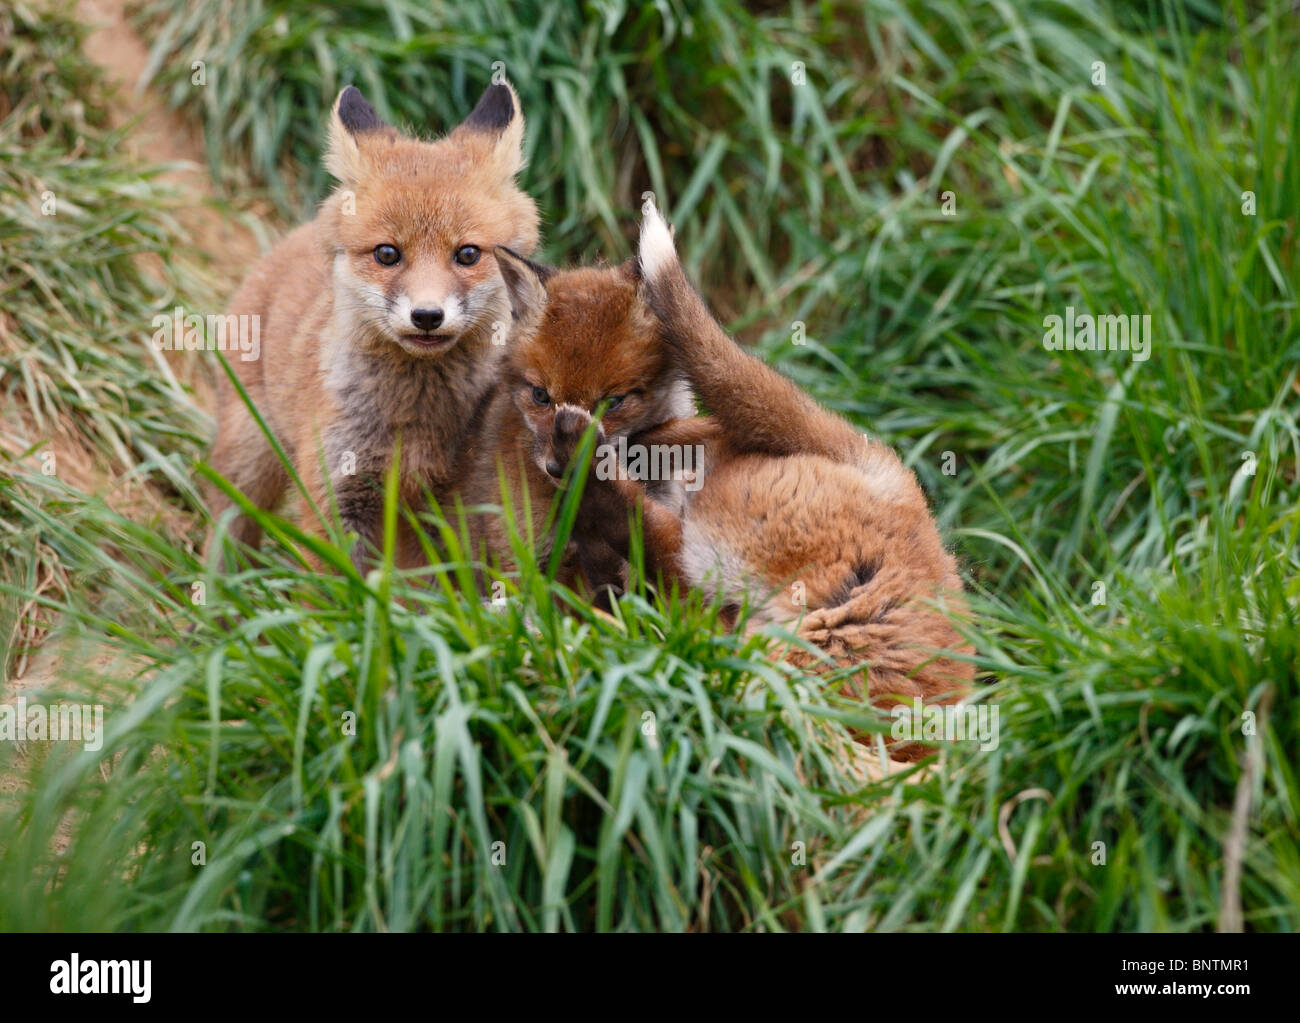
[[885, 622], [760, 411]]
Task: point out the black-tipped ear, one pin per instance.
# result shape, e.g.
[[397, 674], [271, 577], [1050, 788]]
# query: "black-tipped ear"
[[525, 283], [498, 121], [351, 118], [355, 113], [494, 111]]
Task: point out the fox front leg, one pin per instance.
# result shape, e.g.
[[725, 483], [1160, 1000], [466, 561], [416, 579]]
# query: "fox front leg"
[[600, 526], [602, 531], [361, 505], [604, 521], [603, 510]]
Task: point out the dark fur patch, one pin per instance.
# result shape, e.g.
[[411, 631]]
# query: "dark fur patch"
[[864, 573], [475, 421], [356, 113], [860, 576], [881, 613], [602, 567], [544, 273], [361, 504], [494, 111]]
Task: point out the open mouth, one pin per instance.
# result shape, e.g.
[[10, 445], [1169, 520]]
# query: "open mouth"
[[428, 340]]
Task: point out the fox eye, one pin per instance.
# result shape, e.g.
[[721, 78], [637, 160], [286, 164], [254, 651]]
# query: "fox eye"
[[540, 396], [614, 401], [467, 255], [387, 255]]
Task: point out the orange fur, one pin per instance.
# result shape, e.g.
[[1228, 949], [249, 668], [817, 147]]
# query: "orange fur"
[[577, 339], [821, 529], [352, 358]]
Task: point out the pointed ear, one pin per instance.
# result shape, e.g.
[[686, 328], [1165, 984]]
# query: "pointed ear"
[[352, 118], [498, 118], [525, 284], [630, 271]]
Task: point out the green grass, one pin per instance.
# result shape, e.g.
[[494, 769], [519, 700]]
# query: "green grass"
[[615, 762], [1143, 718], [92, 253]]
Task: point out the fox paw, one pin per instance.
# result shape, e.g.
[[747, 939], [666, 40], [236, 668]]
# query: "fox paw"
[[569, 426]]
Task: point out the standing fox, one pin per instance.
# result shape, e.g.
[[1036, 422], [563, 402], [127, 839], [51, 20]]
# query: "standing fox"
[[817, 527], [378, 320]]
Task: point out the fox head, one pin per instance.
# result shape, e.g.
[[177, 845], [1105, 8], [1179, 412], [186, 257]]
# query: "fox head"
[[585, 345], [413, 226]]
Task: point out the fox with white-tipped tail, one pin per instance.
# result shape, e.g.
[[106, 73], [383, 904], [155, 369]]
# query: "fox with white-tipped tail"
[[813, 524]]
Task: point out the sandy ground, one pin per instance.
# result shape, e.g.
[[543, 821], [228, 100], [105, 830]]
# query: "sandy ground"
[[162, 135]]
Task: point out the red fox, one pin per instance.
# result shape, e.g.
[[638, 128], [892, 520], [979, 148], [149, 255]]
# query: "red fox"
[[379, 318], [795, 512], [578, 346]]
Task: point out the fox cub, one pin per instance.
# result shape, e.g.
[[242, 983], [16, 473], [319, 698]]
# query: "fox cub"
[[795, 512], [378, 320], [577, 348]]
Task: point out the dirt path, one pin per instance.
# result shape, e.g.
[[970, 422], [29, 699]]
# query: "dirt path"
[[163, 135]]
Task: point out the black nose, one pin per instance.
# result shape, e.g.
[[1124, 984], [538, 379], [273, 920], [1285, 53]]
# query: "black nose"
[[554, 469], [426, 319]]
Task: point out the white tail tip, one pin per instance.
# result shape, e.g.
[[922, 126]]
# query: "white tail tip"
[[656, 251]]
